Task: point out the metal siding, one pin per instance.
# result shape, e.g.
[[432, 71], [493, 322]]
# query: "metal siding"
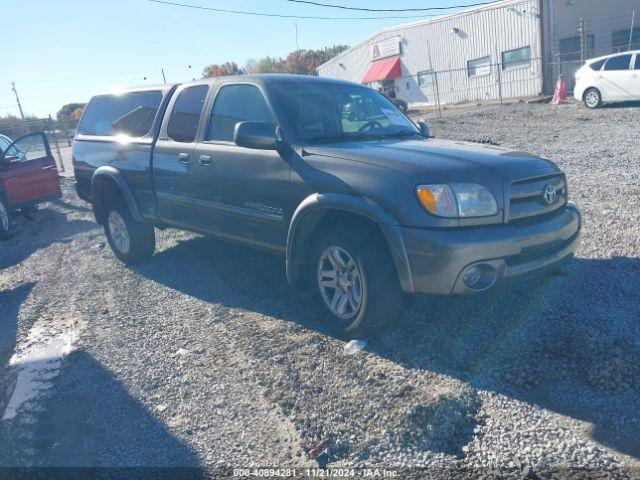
[[489, 32]]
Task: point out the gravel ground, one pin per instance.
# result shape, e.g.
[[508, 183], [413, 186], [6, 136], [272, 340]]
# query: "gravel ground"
[[203, 357]]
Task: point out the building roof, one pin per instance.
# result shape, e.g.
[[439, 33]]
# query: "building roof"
[[428, 21]]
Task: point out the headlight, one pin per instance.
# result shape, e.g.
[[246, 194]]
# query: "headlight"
[[457, 200]]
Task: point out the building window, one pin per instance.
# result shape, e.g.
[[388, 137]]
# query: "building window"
[[570, 49], [479, 67], [426, 78], [621, 39], [520, 57]]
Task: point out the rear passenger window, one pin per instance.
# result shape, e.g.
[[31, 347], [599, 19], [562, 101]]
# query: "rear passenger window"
[[185, 115], [638, 61], [234, 104], [618, 63], [130, 114]]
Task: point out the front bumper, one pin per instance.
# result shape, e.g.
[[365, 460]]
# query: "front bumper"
[[438, 258]]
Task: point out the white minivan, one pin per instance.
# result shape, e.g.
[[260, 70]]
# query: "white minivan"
[[614, 78]]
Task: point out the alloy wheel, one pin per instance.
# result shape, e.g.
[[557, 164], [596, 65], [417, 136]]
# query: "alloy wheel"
[[592, 99], [119, 232], [340, 282]]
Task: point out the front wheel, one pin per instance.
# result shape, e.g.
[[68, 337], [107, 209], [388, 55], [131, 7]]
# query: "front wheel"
[[5, 218], [355, 282], [592, 98], [130, 240]]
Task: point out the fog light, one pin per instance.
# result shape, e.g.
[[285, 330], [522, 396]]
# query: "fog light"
[[472, 276]]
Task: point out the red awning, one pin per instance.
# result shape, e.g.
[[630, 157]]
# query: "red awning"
[[383, 70]]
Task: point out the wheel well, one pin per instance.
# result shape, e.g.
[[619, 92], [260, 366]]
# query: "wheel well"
[[104, 191], [320, 220]]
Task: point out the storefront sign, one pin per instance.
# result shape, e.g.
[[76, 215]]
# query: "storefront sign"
[[386, 48]]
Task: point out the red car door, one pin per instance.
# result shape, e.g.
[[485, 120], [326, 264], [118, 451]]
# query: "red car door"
[[28, 171]]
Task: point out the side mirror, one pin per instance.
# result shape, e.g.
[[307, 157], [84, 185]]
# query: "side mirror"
[[424, 129], [258, 135]]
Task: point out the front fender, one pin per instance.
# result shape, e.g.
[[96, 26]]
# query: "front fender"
[[98, 181], [364, 207]]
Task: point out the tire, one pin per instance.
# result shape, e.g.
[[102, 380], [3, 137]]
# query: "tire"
[[130, 240], [374, 278], [5, 218], [592, 98]]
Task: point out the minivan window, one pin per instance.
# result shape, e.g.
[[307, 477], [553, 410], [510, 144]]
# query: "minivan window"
[[130, 114], [597, 65], [185, 114], [637, 61], [621, 62], [234, 104]]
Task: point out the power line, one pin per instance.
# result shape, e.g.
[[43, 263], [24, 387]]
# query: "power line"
[[344, 7], [278, 15]]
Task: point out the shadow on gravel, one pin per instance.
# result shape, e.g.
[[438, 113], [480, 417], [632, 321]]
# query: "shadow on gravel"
[[569, 343], [621, 105], [10, 302], [48, 226], [99, 426]]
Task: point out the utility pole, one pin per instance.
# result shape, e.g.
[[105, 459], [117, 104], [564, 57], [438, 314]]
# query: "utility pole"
[[583, 40], [13, 87], [297, 46], [163, 77]]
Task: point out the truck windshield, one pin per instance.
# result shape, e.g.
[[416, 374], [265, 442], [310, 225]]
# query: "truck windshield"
[[325, 113]]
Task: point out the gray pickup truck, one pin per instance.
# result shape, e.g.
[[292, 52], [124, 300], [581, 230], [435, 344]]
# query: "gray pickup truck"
[[361, 203]]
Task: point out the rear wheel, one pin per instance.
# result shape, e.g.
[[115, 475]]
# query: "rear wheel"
[[592, 98], [355, 283], [5, 218], [130, 240]]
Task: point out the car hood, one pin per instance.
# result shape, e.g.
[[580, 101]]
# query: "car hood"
[[441, 160]]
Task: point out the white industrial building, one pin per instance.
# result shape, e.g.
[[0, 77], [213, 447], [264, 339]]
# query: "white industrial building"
[[506, 49]]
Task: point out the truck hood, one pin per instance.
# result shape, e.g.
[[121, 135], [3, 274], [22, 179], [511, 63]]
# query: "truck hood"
[[437, 159]]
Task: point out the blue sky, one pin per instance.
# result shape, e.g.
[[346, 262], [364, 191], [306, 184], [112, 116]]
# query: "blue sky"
[[66, 50]]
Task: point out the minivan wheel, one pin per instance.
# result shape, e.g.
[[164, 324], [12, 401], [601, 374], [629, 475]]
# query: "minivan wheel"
[[592, 98], [5, 218], [355, 283], [130, 240]]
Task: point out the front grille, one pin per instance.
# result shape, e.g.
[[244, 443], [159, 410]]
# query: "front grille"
[[527, 196]]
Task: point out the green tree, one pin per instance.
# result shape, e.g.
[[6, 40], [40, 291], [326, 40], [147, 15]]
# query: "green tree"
[[70, 112], [227, 68]]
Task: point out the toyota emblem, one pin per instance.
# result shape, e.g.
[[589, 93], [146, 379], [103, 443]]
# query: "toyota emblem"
[[550, 194]]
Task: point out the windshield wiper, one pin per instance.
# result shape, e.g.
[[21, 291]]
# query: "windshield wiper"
[[344, 137], [402, 134]]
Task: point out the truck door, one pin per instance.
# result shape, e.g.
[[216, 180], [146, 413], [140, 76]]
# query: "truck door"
[[239, 192], [173, 154], [28, 171]]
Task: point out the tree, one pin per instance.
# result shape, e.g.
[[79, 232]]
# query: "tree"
[[303, 62], [269, 65], [227, 68], [70, 112]]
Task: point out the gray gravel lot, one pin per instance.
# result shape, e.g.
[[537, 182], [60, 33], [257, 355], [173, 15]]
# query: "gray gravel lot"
[[205, 357]]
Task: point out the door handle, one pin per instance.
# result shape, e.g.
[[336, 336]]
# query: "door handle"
[[205, 160], [183, 158]]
